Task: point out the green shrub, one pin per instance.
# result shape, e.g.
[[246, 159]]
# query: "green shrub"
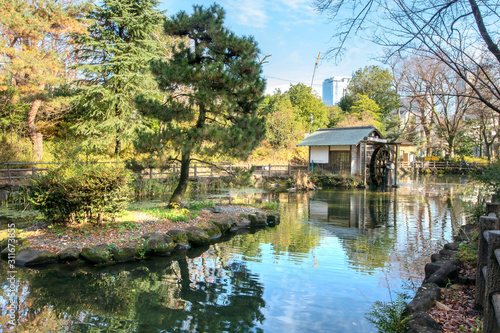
[[80, 192], [388, 317]]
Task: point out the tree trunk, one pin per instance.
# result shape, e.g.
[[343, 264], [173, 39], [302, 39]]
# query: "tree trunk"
[[31, 119], [175, 200], [118, 146]]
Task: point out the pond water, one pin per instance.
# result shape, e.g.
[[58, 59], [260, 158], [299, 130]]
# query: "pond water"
[[333, 255]]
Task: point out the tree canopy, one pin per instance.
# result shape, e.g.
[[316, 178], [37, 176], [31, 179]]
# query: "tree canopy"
[[114, 58], [213, 88]]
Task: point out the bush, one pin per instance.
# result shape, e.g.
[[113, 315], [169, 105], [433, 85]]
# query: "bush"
[[491, 177], [80, 192], [389, 317]]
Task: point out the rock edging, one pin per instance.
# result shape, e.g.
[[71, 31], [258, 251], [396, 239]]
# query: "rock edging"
[[151, 245], [442, 271]]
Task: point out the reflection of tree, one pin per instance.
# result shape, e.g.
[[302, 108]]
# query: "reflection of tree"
[[199, 294]]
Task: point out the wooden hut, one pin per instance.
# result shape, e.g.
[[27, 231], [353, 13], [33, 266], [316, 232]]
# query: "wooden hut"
[[351, 150]]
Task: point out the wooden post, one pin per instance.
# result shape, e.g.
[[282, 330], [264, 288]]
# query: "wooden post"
[[269, 170], [150, 173], [195, 170], [396, 170], [212, 171], [289, 170], [8, 173], [174, 170], [33, 172]]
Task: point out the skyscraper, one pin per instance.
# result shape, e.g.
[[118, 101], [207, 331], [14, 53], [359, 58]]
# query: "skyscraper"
[[334, 88]]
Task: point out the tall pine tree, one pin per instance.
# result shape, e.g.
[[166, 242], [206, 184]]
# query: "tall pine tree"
[[115, 59], [214, 88]]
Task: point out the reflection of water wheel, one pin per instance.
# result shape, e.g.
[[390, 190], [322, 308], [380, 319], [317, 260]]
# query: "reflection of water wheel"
[[378, 164]]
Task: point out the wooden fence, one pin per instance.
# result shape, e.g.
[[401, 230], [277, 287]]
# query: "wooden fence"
[[441, 165], [19, 172], [487, 297]]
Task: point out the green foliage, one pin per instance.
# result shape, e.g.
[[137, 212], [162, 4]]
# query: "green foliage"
[[377, 84], [114, 61], [467, 252], [490, 176], [388, 316], [326, 180], [198, 205], [270, 205], [307, 104], [283, 130], [240, 177], [175, 215], [80, 191], [214, 91]]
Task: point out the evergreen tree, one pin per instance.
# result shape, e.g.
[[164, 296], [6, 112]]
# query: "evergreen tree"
[[214, 86], [36, 53], [308, 103], [115, 60]]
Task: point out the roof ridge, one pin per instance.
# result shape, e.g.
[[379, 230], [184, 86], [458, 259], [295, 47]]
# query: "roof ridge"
[[344, 128]]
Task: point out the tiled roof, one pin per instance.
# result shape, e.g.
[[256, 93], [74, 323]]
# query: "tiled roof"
[[342, 136]]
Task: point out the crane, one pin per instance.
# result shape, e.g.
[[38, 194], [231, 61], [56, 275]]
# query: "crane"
[[315, 66]]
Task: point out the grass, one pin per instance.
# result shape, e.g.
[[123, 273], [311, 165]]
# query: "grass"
[[270, 205], [388, 316]]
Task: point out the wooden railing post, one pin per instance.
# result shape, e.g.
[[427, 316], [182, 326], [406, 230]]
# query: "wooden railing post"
[[195, 170], [150, 173], [269, 170], [289, 170], [212, 170], [8, 173], [33, 172]]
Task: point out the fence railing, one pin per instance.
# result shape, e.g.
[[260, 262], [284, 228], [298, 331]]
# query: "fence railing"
[[16, 172], [487, 297], [441, 165]]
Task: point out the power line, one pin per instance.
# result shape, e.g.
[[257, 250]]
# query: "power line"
[[287, 80]]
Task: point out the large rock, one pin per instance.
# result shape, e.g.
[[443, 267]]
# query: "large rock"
[[33, 257], [98, 255], [273, 219], [176, 235], [197, 236], [213, 232], [442, 272], [159, 245], [69, 254], [421, 322], [258, 219], [125, 254], [424, 299], [226, 224]]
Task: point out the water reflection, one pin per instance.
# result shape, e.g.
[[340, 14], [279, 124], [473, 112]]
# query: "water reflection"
[[333, 254]]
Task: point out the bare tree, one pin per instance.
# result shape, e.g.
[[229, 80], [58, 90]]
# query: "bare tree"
[[459, 33]]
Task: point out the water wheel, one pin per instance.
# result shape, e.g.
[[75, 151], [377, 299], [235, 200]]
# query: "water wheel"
[[378, 164]]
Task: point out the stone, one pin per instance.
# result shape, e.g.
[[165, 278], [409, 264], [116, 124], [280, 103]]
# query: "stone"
[[452, 246], [69, 254], [214, 209], [273, 219], [181, 246], [33, 257], [4, 195], [213, 232], [157, 244], [424, 298], [449, 253], [442, 272], [258, 219], [226, 224], [197, 236], [125, 254], [176, 235], [421, 322], [97, 255]]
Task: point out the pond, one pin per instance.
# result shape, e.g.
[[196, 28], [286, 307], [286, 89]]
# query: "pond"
[[333, 255]]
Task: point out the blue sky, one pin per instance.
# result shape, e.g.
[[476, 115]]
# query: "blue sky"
[[292, 33]]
